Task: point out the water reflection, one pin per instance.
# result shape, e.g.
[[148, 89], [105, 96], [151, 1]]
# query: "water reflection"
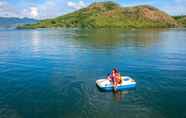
[[35, 37], [52, 73], [120, 95], [115, 38]]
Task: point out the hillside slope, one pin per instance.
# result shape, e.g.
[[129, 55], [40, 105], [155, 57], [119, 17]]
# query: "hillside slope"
[[181, 20], [110, 15]]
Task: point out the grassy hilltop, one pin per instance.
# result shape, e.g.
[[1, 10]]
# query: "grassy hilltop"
[[110, 15]]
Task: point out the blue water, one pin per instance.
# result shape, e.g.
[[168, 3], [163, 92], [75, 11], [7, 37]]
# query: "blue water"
[[51, 73]]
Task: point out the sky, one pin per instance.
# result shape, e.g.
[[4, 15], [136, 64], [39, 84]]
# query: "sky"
[[42, 9]]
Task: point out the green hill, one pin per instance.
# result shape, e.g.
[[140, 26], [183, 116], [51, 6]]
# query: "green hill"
[[181, 20], [110, 15]]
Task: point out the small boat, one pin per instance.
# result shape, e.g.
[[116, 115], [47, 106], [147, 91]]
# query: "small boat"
[[107, 85]]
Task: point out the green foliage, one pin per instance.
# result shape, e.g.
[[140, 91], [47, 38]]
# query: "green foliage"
[[107, 15], [181, 20]]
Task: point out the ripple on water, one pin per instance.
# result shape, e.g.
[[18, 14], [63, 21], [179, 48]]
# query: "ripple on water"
[[52, 73]]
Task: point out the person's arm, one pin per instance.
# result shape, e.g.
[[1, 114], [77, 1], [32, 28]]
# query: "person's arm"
[[108, 77]]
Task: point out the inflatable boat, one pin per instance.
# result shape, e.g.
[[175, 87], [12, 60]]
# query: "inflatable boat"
[[107, 85]]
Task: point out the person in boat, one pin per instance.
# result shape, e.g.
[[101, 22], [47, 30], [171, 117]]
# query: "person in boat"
[[115, 77]]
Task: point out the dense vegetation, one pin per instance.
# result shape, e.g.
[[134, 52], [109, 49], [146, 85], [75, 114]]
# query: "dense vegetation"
[[181, 20], [110, 15]]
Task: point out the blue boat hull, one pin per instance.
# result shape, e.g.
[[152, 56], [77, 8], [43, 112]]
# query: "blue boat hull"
[[119, 88]]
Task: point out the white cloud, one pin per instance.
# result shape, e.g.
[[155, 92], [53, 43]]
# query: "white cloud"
[[76, 5], [172, 7], [48, 9], [54, 8], [31, 12], [34, 12], [7, 10], [177, 7]]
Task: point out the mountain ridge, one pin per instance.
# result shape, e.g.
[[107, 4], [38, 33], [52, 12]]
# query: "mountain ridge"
[[11, 22], [110, 15]]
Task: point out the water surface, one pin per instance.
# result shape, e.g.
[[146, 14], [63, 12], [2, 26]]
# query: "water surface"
[[52, 73]]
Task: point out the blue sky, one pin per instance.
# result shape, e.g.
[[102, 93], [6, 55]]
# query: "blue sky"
[[42, 9]]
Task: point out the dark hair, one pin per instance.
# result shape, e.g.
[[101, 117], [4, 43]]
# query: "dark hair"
[[115, 70]]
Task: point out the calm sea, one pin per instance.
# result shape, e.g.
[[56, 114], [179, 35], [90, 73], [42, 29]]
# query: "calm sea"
[[51, 73]]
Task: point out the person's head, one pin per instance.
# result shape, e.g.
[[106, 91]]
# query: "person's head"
[[114, 70]]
